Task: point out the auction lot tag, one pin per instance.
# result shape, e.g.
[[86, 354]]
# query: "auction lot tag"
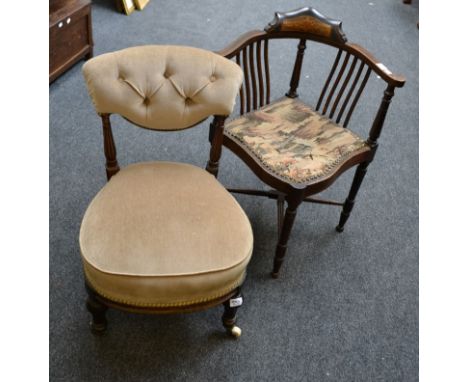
[[233, 302]]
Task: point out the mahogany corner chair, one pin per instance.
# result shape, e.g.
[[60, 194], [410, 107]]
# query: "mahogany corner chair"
[[163, 237], [297, 149]]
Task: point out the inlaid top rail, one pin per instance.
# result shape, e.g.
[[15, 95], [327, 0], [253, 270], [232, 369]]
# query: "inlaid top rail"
[[307, 20]]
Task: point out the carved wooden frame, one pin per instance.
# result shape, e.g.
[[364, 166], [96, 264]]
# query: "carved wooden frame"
[[307, 24]]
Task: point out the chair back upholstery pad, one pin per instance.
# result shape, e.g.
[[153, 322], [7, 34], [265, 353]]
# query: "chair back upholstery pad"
[[163, 87]]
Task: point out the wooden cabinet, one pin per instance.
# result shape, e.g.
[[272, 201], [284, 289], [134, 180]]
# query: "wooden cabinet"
[[70, 34]]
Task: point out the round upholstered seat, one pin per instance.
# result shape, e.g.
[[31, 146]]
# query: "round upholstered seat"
[[163, 234]]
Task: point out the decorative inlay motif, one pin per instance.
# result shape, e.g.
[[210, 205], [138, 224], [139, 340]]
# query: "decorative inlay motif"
[[307, 24]]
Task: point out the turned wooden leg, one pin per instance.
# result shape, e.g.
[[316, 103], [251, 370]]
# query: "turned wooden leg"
[[280, 213], [286, 227], [216, 140], [349, 203], [98, 310], [229, 315]]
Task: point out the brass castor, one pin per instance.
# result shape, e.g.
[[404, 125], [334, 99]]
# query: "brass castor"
[[98, 328], [229, 316], [235, 331]]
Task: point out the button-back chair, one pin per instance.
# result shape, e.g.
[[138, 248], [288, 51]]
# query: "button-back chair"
[[163, 237], [298, 149]]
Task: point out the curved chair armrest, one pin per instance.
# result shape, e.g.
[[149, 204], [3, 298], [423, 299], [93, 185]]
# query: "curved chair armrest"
[[382, 70], [230, 50]]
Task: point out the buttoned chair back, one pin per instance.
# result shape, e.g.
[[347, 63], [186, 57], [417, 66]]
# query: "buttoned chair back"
[[163, 87]]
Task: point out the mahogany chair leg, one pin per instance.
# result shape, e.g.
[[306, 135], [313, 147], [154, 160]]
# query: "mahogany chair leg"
[[98, 311], [349, 203], [280, 213], [216, 140], [286, 227], [230, 314]]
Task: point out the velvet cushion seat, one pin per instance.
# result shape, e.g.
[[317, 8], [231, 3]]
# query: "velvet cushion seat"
[[163, 234], [294, 141]]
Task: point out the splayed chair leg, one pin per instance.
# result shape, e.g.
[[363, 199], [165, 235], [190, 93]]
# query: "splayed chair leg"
[[349, 203], [285, 231]]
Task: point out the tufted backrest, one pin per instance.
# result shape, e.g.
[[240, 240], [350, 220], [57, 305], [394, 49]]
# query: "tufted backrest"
[[163, 87]]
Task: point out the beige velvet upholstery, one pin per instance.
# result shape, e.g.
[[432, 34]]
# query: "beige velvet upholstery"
[[163, 234], [163, 87]]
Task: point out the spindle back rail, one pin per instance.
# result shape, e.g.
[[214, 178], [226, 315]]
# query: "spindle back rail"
[[251, 52]]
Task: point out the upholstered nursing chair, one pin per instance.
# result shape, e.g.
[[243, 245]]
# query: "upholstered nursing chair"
[[298, 149], [164, 237]]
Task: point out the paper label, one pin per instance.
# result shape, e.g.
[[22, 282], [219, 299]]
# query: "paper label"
[[233, 302]]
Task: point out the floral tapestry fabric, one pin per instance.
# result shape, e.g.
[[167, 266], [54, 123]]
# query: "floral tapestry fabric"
[[295, 142]]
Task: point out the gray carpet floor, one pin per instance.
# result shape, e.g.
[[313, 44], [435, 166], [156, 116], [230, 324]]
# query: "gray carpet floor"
[[345, 307]]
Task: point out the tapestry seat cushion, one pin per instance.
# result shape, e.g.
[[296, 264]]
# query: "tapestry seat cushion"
[[294, 142]]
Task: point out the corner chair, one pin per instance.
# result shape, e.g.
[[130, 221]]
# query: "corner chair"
[[298, 149]]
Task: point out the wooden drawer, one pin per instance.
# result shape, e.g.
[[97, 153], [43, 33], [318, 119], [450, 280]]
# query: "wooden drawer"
[[70, 36]]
